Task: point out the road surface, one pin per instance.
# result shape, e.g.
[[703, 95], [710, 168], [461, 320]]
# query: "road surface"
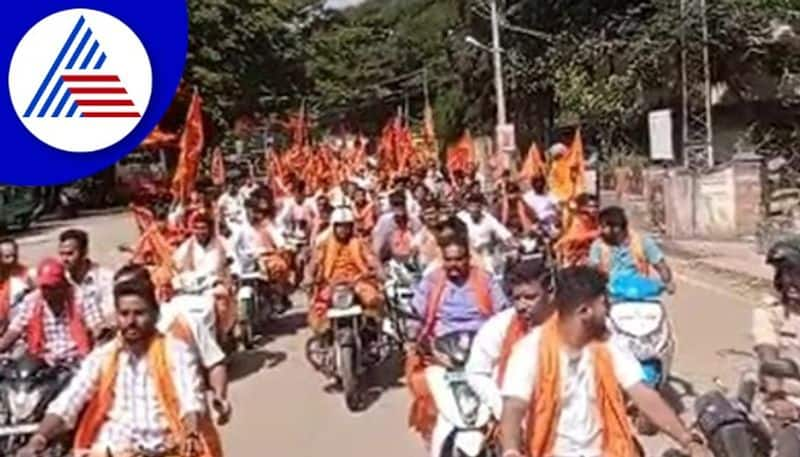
[[282, 407]]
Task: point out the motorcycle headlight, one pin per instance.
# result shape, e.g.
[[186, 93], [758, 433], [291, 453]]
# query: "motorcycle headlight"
[[22, 403], [468, 403], [342, 298]]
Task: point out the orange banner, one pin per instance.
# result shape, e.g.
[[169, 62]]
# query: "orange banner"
[[191, 145]]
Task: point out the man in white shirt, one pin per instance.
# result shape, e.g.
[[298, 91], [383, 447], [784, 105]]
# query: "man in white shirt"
[[543, 204], [528, 285], [483, 229], [567, 375], [230, 207]]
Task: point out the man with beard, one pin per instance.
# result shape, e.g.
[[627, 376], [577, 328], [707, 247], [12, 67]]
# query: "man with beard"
[[397, 244], [56, 325], [568, 379], [92, 280], [15, 280], [139, 393], [528, 286], [622, 251], [776, 334], [456, 296]]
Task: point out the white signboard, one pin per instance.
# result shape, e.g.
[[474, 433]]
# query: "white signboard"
[[506, 140], [661, 135]]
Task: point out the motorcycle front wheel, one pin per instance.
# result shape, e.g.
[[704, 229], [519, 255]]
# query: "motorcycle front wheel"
[[246, 337], [347, 376]]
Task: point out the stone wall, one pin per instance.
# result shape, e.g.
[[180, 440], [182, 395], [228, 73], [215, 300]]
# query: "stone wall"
[[723, 204]]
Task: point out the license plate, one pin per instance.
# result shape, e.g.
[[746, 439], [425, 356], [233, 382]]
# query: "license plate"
[[21, 429], [455, 376]]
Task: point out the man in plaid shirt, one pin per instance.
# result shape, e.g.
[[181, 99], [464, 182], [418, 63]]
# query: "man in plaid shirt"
[[139, 393], [54, 322]]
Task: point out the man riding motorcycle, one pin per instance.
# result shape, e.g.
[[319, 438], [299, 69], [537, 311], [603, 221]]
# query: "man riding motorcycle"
[[529, 287], [484, 230], [139, 394], [343, 258], [582, 230], [776, 333], [457, 296], [201, 264], [622, 251], [56, 324], [260, 244]]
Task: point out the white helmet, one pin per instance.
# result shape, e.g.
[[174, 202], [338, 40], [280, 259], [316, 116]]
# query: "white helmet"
[[342, 215]]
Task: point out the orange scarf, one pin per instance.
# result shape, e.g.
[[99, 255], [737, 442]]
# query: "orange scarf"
[[546, 401], [517, 328], [97, 410], [77, 328], [351, 252], [479, 282]]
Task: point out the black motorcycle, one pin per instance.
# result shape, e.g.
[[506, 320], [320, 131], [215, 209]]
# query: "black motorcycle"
[[27, 386], [354, 344], [740, 426]]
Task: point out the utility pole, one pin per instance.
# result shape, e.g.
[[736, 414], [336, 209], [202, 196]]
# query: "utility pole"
[[425, 84], [698, 153], [498, 66]]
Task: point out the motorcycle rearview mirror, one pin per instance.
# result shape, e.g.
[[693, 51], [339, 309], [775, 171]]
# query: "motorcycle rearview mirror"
[[780, 368]]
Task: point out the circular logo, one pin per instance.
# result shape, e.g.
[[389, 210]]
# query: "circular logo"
[[80, 80]]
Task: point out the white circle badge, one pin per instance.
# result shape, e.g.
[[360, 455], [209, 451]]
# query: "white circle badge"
[[80, 80]]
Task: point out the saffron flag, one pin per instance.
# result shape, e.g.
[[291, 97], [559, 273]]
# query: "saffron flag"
[[191, 144], [461, 156], [534, 164]]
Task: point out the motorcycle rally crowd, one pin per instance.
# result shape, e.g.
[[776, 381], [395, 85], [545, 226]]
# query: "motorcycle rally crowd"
[[500, 294]]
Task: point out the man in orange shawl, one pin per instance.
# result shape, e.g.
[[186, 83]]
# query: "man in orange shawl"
[[584, 413], [573, 246], [528, 285], [365, 212], [343, 258], [455, 297], [138, 393], [15, 279]]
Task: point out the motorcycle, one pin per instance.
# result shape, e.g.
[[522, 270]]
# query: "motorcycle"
[[638, 320], [27, 386], [467, 404], [740, 425], [350, 348], [254, 307], [399, 293], [298, 239]]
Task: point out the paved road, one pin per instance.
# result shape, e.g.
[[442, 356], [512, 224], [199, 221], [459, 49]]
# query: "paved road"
[[282, 407]]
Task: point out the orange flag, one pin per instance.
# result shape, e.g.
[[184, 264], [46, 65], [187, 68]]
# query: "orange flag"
[[159, 138], [534, 164], [217, 167], [191, 144], [461, 155]]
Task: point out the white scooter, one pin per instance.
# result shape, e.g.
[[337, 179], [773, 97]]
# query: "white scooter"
[[638, 320], [467, 404]]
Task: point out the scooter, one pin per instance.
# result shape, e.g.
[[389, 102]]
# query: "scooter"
[[467, 404], [254, 307], [638, 320]]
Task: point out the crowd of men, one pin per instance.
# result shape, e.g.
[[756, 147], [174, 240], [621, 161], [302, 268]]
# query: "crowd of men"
[[148, 377]]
